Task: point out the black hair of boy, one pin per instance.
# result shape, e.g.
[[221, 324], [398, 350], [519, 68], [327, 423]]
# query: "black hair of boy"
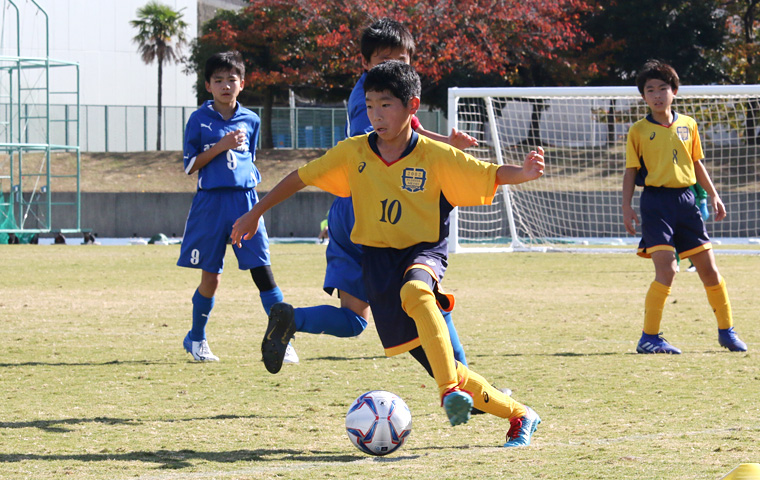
[[659, 70], [231, 61], [386, 33], [397, 77]]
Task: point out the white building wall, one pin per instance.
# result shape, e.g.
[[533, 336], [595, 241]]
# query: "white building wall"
[[97, 35]]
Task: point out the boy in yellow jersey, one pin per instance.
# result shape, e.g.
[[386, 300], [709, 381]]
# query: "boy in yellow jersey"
[[664, 156], [403, 186]]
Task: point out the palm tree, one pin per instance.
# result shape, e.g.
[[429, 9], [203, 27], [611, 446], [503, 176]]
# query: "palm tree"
[[161, 36]]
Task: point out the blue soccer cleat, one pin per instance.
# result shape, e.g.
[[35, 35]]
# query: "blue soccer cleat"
[[655, 344], [522, 429], [728, 338], [458, 405]]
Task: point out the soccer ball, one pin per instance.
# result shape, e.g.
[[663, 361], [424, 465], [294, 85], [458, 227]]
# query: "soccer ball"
[[378, 422]]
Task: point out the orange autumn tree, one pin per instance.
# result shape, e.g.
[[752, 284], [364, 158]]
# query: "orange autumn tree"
[[312, 46]]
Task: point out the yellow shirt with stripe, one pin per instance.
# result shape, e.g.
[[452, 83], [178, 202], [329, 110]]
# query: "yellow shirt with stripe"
[[398, 204], [667, 152]]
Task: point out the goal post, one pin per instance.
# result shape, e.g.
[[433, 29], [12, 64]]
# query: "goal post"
[[583, 131]]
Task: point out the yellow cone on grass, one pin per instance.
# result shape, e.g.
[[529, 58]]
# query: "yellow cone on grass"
[[745, 471]]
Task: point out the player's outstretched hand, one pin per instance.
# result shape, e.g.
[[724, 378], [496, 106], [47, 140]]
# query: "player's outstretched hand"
[[533, 167], [630, 219], [461, 140], [244, 228]]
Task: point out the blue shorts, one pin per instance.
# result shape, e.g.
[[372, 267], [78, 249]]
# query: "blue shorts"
[[344, 258], [208, 229], [384, 270], [670, 220]]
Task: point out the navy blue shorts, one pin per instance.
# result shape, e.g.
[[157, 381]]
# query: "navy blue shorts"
[[384, 270], [344, 258], [208, 229], [670, 220]]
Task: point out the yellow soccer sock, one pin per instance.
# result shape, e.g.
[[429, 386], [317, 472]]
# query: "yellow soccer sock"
[[487, 398], [654, 304], [418, 302], [717, 295]]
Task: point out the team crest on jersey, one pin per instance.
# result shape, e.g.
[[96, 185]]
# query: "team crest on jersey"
[[413, 179], [683, 133]]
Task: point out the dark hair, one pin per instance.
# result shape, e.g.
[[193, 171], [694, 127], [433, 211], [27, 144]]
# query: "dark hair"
[[225, 61], [659, 70], [397, 77], [386, 33]]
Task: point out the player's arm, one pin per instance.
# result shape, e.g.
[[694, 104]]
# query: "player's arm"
[[230, 141], [457, 139], [704, 180], [630, 219], [532, 168], [245, 227]]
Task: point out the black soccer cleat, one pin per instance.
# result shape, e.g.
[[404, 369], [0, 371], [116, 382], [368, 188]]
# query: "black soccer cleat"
[[280, 331]]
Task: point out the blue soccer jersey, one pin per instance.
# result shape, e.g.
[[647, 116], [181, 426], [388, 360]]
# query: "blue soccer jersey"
[[233, 168], [226, 190], [358, 121]]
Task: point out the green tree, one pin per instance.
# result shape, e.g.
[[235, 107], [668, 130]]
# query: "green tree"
[[160, 37], [625, 34], [741, 52]]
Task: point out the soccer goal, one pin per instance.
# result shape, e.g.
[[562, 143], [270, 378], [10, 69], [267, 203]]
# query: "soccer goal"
[[577, 203]]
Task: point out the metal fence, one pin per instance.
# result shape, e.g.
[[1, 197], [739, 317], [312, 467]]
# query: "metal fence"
[[110, 128]]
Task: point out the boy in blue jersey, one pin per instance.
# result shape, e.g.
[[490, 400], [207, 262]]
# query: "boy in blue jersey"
[[385, 39], [664, 156], [403, 187], [220, 144]]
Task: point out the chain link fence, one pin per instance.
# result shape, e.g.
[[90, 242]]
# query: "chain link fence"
[[113, 128]]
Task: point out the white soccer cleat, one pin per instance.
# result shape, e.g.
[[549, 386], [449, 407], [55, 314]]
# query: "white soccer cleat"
[[199, 350], [290, 354]]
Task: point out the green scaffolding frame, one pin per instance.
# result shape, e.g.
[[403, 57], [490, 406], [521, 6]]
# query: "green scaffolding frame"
[[28, 197]]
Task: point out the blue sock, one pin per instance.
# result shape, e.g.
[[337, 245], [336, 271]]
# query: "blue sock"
[[270, 297], [338, 322], [458, 348], [201, 310]]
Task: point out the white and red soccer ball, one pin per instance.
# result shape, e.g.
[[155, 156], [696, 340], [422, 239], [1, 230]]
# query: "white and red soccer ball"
[[378, 422]]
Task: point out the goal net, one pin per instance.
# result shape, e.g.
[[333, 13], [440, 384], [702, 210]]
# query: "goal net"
[[583, 132]]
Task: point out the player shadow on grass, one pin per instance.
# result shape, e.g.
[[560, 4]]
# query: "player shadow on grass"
[[58, 426], [555, 354], [87, 364], [334, 358], [177, 459]]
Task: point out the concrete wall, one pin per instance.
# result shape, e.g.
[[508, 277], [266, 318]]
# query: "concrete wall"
[[145, 214]]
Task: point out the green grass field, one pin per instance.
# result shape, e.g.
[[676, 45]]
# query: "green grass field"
[[95, 384]]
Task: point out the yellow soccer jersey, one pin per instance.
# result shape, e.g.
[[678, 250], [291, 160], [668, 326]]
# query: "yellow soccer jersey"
[[400, 204], [665, 155]]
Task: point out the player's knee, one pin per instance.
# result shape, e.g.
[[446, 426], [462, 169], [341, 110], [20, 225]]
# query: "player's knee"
[[415, 293], [356, 322], [463, 373], [263, 278]]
